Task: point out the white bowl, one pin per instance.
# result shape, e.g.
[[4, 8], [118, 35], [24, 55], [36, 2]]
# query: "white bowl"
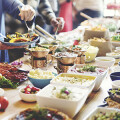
[[105, 61], [117, 48], [90, 80], [116, 84], [27, 97], [1, 92], [99, 79], [70, 107], [100, 109], [117, 56]]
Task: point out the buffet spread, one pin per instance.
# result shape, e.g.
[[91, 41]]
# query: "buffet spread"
[[70, 78]]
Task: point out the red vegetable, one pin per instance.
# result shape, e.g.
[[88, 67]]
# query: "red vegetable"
[[3, 103], [35, 89], [76, 42]]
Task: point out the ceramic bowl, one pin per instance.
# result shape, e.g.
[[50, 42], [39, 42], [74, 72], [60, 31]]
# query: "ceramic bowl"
[[115, 76], [39, 83], [105, 61], [27, 97], [116, 84]]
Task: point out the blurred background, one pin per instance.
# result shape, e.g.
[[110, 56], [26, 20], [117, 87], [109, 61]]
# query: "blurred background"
[[67, 9]]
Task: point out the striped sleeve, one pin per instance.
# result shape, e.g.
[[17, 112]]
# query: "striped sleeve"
[[46, 11]]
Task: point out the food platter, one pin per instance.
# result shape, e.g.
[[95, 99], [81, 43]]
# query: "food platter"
[[22, 43], [100, 109], [26, 41], [30, 111]]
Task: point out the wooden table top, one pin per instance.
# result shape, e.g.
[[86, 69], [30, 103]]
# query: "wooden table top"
[[16, 104]]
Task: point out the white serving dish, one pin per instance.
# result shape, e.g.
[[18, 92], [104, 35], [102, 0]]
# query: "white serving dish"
[[112, 55], [117, 56], [70, 107], [1, 92], [115, 84], [99, 79], [117, 48], [27, 97], [87, 84], [105, 61], [100, 109]]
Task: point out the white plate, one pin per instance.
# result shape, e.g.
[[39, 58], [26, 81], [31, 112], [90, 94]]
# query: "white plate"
[[21, 43], [1, 92]]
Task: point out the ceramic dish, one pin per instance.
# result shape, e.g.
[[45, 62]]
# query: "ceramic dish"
[[114, 55], [115, 76], [22, 43], [47, 98], [100, 73], [27, 97], [40, 78], [74, 80], [103, 110], [105, 61], [113, 100], [116, 84]]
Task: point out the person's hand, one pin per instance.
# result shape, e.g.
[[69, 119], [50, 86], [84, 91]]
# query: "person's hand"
[[57, 23], [27, 13], [5, 47]]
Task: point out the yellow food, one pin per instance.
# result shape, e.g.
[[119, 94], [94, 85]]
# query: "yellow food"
[[98, 28], [38, 49], [20, 39], [98, 39], [40, 74]]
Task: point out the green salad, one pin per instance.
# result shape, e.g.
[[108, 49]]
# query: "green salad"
[[6, 83], [107, 116], [116, 38], [87, 68]]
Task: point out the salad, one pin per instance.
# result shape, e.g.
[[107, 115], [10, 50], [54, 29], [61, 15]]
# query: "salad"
[[116, 38], [87, 69], [30, 90], [107, 116], [66, 93], [63, 93]]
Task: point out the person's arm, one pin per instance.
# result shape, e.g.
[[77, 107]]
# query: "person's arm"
[[6, 47], [46, 11], [12, 7]]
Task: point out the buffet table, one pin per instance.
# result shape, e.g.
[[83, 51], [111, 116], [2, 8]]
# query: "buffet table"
[[16, 104]]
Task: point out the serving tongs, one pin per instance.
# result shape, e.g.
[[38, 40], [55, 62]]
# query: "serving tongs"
[[39, 30]]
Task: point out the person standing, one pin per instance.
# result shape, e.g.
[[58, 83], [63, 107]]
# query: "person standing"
[[44, 9], [65, 11], [27, 13], [93, 8]]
